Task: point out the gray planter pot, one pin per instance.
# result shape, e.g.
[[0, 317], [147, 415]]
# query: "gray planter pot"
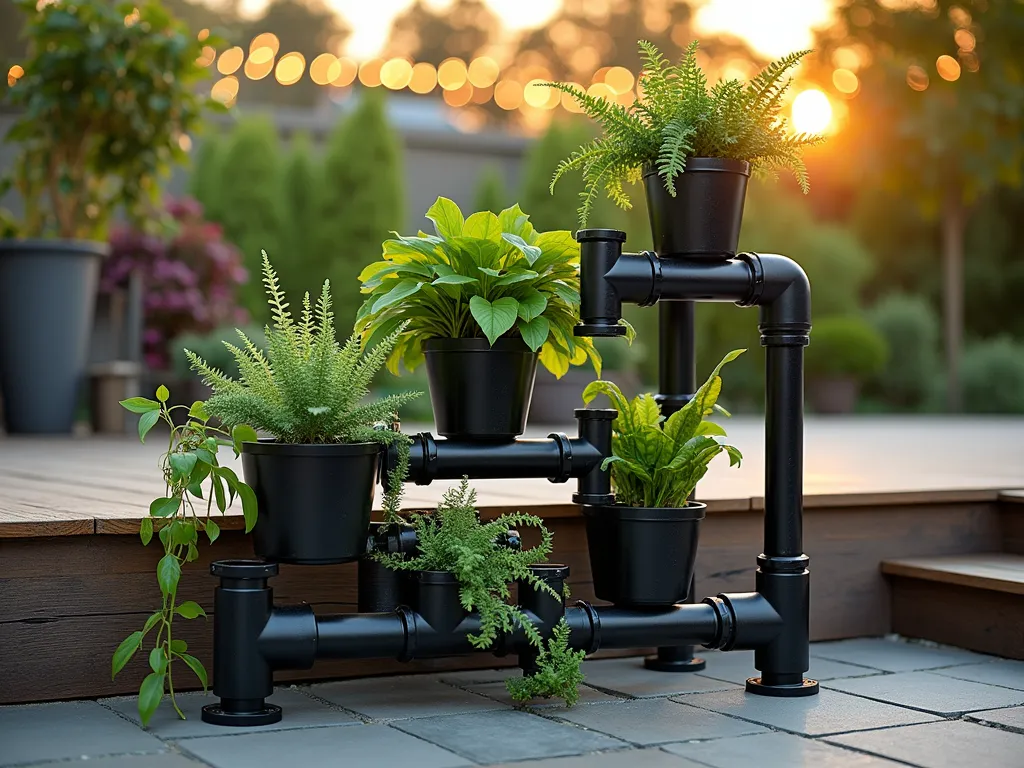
[[47, 299]]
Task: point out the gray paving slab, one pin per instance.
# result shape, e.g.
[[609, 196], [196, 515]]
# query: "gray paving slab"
[[647, 722], [64, 730], [737, 666], [947, 744], [299, 711], [930, 692], [477, 676], [499, 692], [1013, 717], [893, 655], [396, 698], [828, 712], [162, 760], [629, 677], [499, 737], [775, 750], [635, 758], [1004, 672], [379, 746]]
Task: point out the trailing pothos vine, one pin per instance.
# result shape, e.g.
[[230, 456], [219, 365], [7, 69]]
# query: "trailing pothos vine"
[[196, 483]]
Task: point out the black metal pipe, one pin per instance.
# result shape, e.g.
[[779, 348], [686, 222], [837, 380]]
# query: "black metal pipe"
[[600, 305], [361, 636], [595, 433], [673, 626], [784, 424]]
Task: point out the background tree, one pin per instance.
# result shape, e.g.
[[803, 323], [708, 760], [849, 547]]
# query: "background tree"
[[206, 180], [302, 265], [491, 192], [939, 117], [461, 29]]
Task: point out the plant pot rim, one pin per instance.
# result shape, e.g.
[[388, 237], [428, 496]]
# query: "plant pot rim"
[[269, 446], [503, 344], [550, 571], [42, 245], [694, 510], [713, 164], [435, 577]]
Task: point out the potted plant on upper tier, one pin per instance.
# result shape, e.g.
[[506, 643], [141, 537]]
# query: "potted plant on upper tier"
[[482, 300], [314, 480], [846, 352], [643, 548], [693, 147], [462, 565], [107, 95]]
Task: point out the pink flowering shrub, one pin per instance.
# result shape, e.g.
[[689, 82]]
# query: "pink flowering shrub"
[[189, 279]]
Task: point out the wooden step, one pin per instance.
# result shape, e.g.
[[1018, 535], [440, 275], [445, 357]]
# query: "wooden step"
[[971, 601]]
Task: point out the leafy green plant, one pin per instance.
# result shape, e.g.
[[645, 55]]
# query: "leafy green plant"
[[910, 327], [678, 117], [558, 671], [179, 520], [485, 276], [108, 92], [657, 462], [993, 374], [454, 540], [845, 345]]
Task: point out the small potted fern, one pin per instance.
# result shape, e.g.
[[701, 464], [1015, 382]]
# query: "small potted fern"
[[482, 301], [314, 479], [694, 148], [643, 547]]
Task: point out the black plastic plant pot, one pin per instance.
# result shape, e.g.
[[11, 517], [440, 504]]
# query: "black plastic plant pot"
[[314, 500], [642, 556], [480, 392], [434, 595], [703, 219], [47, 301]]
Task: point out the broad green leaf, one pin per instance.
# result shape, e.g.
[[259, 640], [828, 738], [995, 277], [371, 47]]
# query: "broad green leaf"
[[535, 332], [190, 610], [532, 304], [516, 276], [557, 246], [212, 530], [218, 492], [182, 464], [646, 410], [402, 289], [489, 271], [735, 457], [530, 252], [168, 571], [243, 433], [146, 530], [630, 330], [124, 652], [198, 411], [152, 621], [204, 456], [447, 218], [467, 252], [162, 394], [150, 694], [494, 318], [513, 220], [182, 532], [484, 225], [192, 554], [146, 422], [165, 506], [196, 666], [454, 280], [556, 361], [231, 479], [619, 402], [249, 512], [591, 351], [631, 466], [157, 660], [710, 428], [178, 646], [140, 405], [566, 293]]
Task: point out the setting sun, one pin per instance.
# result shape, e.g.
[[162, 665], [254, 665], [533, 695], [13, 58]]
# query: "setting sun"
[[812, 112]]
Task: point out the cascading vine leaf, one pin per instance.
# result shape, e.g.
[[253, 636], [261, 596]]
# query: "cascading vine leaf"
[[488, 275], [677, 117], [657, 462]]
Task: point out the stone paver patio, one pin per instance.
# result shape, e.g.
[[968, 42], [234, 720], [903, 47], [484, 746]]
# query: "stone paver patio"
[[883, 703]]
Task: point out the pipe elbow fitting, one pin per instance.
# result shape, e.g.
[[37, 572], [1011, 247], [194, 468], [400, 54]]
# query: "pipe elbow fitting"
[[784, 295]]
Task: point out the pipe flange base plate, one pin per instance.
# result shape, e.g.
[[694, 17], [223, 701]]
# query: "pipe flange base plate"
[[806, 688], [668, 665], [215, 715]]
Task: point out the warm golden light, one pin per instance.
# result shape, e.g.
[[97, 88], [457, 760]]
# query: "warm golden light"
[[948, 68], [257, 70], [265, 40], [619, 79], [569, 104], [423, 78], [203, 34], [262, 55], [452, 74], [290, 68], [970, 60], [600, 75], [811, 112], [16, 71], [846, 58], [230, 61], [225, 90], [207, 56], [483, 72], [459, 97], [584, 59], [965, 40], [347, 71], [324, 68], [601, 91], [845, 81], [917, 78], [185, 142], [536, 94], [369, 73], [508, 94], [396, 74], [482, 95], [959, 16]]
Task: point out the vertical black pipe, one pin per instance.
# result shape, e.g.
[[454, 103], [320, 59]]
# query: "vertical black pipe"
[[677, 382]]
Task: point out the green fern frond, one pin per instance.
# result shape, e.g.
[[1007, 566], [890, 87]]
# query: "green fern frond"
[[673, 153]]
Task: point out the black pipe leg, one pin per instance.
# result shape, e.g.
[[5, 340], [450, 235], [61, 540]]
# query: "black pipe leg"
[[677, 658], [242, 677]]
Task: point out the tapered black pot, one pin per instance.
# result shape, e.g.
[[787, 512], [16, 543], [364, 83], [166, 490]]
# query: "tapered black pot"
[[47, 300], [642, 556], [314, 500], [479, 391], [434, 595], [703, 219]]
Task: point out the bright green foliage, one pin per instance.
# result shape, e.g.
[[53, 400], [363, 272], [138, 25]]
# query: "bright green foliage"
[[205, 183], [491, 194], [250, 207], [994, 376], [454, 540], [558, 671], [485, 276], [301, 184], [910, 327], [657, 462], [679, 117], [362, 200], [109, 88], [845, 346], [307, 388], [195, 482]]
